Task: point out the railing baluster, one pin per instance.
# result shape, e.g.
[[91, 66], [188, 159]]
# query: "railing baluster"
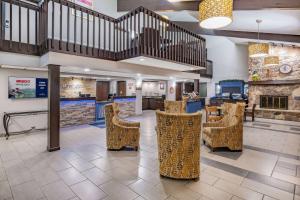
[[53, 8], [10, 25], [20, 26], [143, 32], [99, 35], [75, 29], [81, 30], [94, 32], [88, 33], [60, 25], [109, 37], [68, 26], [124, 38], [36, 28], [28, 27], [104, 36]]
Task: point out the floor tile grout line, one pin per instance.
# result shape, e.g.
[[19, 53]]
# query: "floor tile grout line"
[[248, 173], [276, 130]]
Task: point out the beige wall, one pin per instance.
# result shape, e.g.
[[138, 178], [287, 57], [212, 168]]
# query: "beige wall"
[[70, 87], [21, 105]]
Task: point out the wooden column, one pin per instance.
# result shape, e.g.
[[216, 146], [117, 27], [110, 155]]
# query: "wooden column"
[[196, 85], [53, 107]]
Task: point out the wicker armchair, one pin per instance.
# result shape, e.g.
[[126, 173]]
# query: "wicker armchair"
[[175, 106], [228, 132], [120, 133], [178, 138]]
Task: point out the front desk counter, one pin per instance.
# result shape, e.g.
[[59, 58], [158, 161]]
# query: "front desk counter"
[[153, 103], [77, 111]]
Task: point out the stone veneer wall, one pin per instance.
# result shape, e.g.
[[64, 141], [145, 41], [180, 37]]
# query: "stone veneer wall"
[[288, 56], [74, 113], [70, 87]]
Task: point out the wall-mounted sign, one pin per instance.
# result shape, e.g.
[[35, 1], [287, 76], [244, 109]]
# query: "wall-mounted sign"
[[172, 90], [41, 88], [22, 88], [285, 69]]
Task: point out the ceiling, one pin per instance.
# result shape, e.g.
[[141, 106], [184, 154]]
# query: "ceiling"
[[274, 21]]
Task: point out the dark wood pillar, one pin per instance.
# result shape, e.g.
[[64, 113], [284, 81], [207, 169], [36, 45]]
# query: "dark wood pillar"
[[53, 107], [196, 85]]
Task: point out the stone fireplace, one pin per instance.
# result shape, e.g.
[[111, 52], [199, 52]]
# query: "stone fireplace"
[[276, 92]]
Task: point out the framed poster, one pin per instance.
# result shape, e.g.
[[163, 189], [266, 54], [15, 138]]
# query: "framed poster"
[[41, 88], [21, 88]]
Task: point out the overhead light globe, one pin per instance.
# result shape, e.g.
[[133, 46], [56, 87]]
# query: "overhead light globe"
[[258, 50], [215, 14], [271, 61]]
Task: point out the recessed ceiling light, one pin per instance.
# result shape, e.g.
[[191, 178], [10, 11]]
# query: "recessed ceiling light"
[[107, 78], [87, 70], [142, 59], [138, 74]]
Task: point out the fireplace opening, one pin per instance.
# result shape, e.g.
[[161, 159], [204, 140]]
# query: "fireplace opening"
[[274, 102]]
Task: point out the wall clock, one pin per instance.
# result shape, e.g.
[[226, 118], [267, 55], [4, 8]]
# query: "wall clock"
[[285, 69]]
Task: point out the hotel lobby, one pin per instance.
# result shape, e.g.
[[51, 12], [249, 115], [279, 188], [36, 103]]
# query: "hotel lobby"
[[149, 100]]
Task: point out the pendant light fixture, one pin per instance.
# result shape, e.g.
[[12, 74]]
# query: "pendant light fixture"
[[271, 61], [258, 49], [215, 14]]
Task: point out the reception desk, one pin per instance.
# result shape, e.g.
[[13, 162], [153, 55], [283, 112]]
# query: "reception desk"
[[77, 111], [153, 103]]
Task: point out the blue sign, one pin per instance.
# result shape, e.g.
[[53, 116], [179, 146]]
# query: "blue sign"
[[41, 88]]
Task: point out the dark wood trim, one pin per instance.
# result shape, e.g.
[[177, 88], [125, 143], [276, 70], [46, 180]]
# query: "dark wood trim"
[[196, 85], [54, 108], [162, 5], [194, 27], [275, 82]]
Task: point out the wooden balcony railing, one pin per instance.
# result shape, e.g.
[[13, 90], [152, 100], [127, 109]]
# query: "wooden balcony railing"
[[65, 27]]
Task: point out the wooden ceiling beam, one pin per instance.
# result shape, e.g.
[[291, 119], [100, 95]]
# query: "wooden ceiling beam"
[[194, 27], [162, 5]]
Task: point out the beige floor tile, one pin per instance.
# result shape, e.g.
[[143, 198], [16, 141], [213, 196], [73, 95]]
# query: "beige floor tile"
[[81, 164], [209, 191], [57, 191], [267, 190], [287, 178], [297, 197], [86, 190], [208, 178], [27, 191], [177, 189], [224, 175], [238, 191], [268, 198], [123, 191], [71, 176], [5, 192], [45, 176], [97, 176], [148, 191]]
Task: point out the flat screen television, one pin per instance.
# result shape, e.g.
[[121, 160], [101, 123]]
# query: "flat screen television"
[[24, 88]]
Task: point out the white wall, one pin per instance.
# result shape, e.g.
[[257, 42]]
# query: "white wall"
[[9, 105], [230, 60], [153, 88]]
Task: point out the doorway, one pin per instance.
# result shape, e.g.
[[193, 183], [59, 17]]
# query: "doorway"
[[121, 88], [179, 90], [102, 90]]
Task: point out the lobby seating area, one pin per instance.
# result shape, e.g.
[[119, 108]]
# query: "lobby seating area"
[[150, 100]]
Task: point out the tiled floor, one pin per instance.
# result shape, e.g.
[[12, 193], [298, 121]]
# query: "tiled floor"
[[268, 168]]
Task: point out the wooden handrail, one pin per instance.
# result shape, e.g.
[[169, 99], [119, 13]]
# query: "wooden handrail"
[[74, 29]]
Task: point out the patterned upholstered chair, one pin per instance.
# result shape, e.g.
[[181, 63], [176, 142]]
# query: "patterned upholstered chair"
[[175, 106], [120, 133], [212, 114], [178, 138], [228, 132]]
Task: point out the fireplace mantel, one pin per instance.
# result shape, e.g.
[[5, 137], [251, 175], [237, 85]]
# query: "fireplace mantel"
[[275, 82]]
